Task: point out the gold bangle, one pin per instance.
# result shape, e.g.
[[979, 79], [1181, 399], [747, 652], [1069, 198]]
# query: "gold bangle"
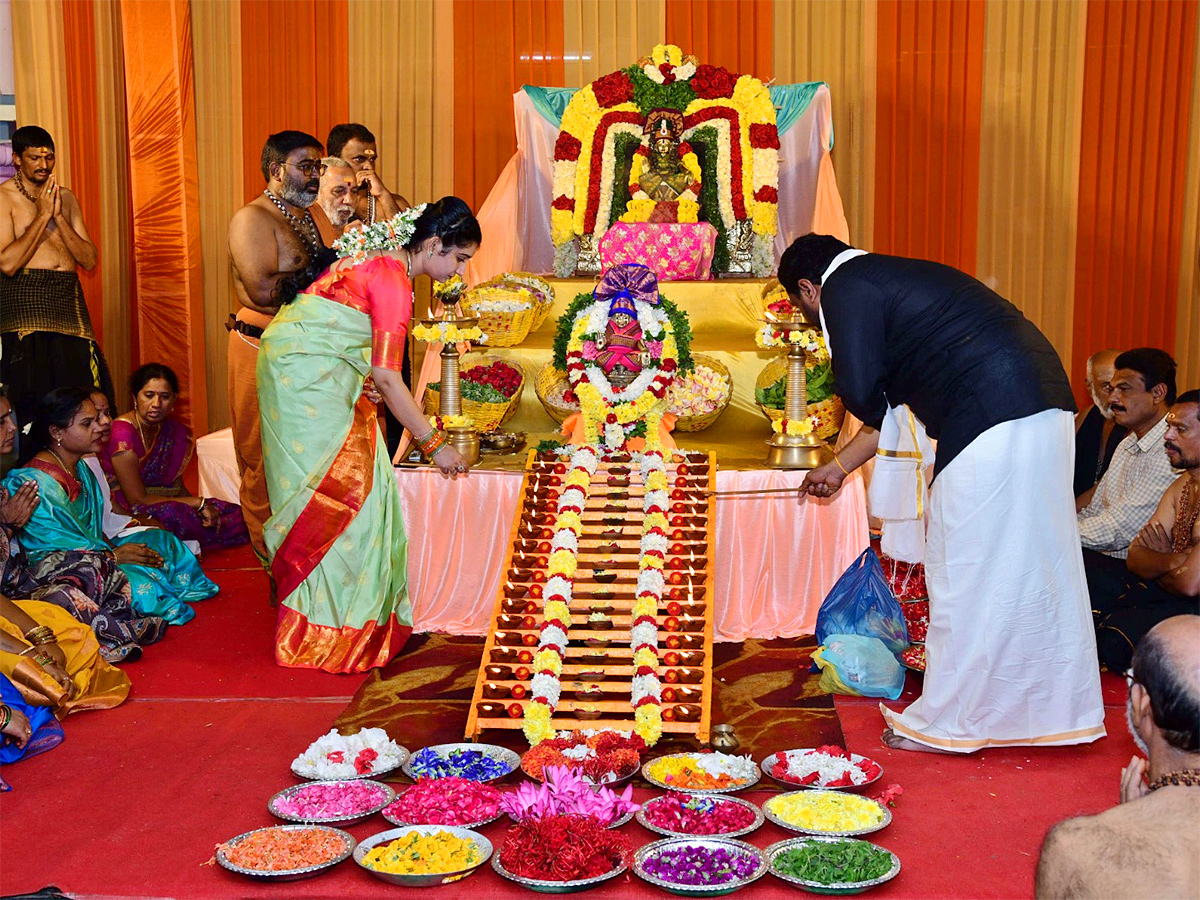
[[840, 466], [29, 649]]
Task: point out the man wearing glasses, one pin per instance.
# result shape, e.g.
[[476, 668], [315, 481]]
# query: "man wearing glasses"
[[1096, 432], [1149, 844], [271, 238]]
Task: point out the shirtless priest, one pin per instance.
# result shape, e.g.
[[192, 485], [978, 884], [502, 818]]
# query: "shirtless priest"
[[271, 237], [47, 332]]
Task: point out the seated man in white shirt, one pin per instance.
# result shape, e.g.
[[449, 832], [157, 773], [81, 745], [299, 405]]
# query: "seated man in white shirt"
[[1143, 389]]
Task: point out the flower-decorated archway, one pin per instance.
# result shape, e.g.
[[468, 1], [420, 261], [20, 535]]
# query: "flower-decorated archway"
[[729, 122]]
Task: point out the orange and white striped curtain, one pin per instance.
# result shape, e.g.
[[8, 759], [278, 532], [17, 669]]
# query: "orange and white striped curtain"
[[981, 133]]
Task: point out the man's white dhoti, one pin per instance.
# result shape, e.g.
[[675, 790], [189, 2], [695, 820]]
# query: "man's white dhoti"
[[1011, 653]]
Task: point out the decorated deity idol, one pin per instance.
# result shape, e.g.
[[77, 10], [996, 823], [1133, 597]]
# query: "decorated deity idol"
[[621, 350], [664, 179]]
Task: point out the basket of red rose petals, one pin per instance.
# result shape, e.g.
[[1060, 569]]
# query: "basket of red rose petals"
[[491, 391]]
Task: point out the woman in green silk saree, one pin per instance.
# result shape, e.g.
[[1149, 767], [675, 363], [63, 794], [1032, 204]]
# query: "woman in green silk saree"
[[336, 538]]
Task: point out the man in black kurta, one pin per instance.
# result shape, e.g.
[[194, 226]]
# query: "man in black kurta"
[[1010, 654]]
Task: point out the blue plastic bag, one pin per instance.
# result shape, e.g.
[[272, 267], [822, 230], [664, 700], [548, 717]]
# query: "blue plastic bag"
[[862, 603], [853, 664]]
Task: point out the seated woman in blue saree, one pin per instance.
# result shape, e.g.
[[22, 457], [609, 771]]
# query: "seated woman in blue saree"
[[163, 574], [336, 536], [25, 729]]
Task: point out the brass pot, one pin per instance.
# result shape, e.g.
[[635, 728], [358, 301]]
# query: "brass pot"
[[466, 442]]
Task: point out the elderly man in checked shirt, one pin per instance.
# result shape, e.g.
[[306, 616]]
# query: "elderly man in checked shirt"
[[1143, 389]]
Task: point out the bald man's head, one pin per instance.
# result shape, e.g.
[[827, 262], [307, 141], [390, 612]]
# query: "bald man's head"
[[1101, 367], [1167, 665]]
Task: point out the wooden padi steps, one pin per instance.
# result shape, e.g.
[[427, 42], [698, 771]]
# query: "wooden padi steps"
[[606, 576]]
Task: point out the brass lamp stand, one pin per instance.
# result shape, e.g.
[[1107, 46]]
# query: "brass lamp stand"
[[795, 451], [462, 438]]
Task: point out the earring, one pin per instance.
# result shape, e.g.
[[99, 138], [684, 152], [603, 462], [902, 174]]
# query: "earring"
[[431, 254]]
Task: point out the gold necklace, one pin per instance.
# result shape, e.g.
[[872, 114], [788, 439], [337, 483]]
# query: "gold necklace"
[[137, 420], [63, 465]]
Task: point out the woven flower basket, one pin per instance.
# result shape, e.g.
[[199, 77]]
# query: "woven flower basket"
[[699, 423], [829, 412], [485, 416], [508, 329], [547, 380]]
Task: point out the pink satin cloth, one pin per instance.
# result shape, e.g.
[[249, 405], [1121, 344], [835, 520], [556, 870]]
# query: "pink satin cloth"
[[676, 252], [776, 556]]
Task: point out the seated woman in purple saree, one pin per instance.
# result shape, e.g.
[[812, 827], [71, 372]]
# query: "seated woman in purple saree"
[[145, 460]]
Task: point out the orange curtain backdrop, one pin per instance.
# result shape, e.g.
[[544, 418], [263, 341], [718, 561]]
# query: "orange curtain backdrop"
[[295, 73], [1138, 75], [737, 34], [79, 42], [499, 46], [164, 189], [930, 76]]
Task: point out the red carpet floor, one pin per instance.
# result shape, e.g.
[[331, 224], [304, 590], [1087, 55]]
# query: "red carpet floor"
[[133, 801]]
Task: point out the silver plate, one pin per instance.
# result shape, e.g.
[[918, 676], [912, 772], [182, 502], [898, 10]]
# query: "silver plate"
[[482, 844], [712, 843], [748, 783], [611, 785], [855, 757], [555, 887], [510, 757], [388, 793], [759, 818], [286, 874], [816, 887], [404, 754], [887, 816]]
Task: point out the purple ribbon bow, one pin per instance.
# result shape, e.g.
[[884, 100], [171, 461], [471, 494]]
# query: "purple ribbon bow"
[[628, 280]]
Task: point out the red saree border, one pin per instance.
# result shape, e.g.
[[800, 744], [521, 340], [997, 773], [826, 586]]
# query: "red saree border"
[[72, 490], [302, 644], [338, 499]]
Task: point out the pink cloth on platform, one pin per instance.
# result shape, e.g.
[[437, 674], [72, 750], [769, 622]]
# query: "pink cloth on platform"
[[776, 556], [676, 252]]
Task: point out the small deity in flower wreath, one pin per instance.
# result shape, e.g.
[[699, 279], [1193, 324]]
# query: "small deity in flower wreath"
[[622, 352], [666, 179]]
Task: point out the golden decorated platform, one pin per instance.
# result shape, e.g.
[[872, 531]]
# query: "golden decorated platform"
[[723, 315]]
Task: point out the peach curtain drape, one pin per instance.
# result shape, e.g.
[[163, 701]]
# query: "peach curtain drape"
[[163, 185], [402, 96], [1138, 79], [1029, 158], [834, 41], [217, 38]]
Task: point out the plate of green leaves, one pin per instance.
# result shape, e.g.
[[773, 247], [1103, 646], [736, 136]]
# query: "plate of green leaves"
[[832, 865]]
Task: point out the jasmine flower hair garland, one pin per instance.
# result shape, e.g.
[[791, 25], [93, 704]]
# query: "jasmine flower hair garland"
[[390, 235]]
